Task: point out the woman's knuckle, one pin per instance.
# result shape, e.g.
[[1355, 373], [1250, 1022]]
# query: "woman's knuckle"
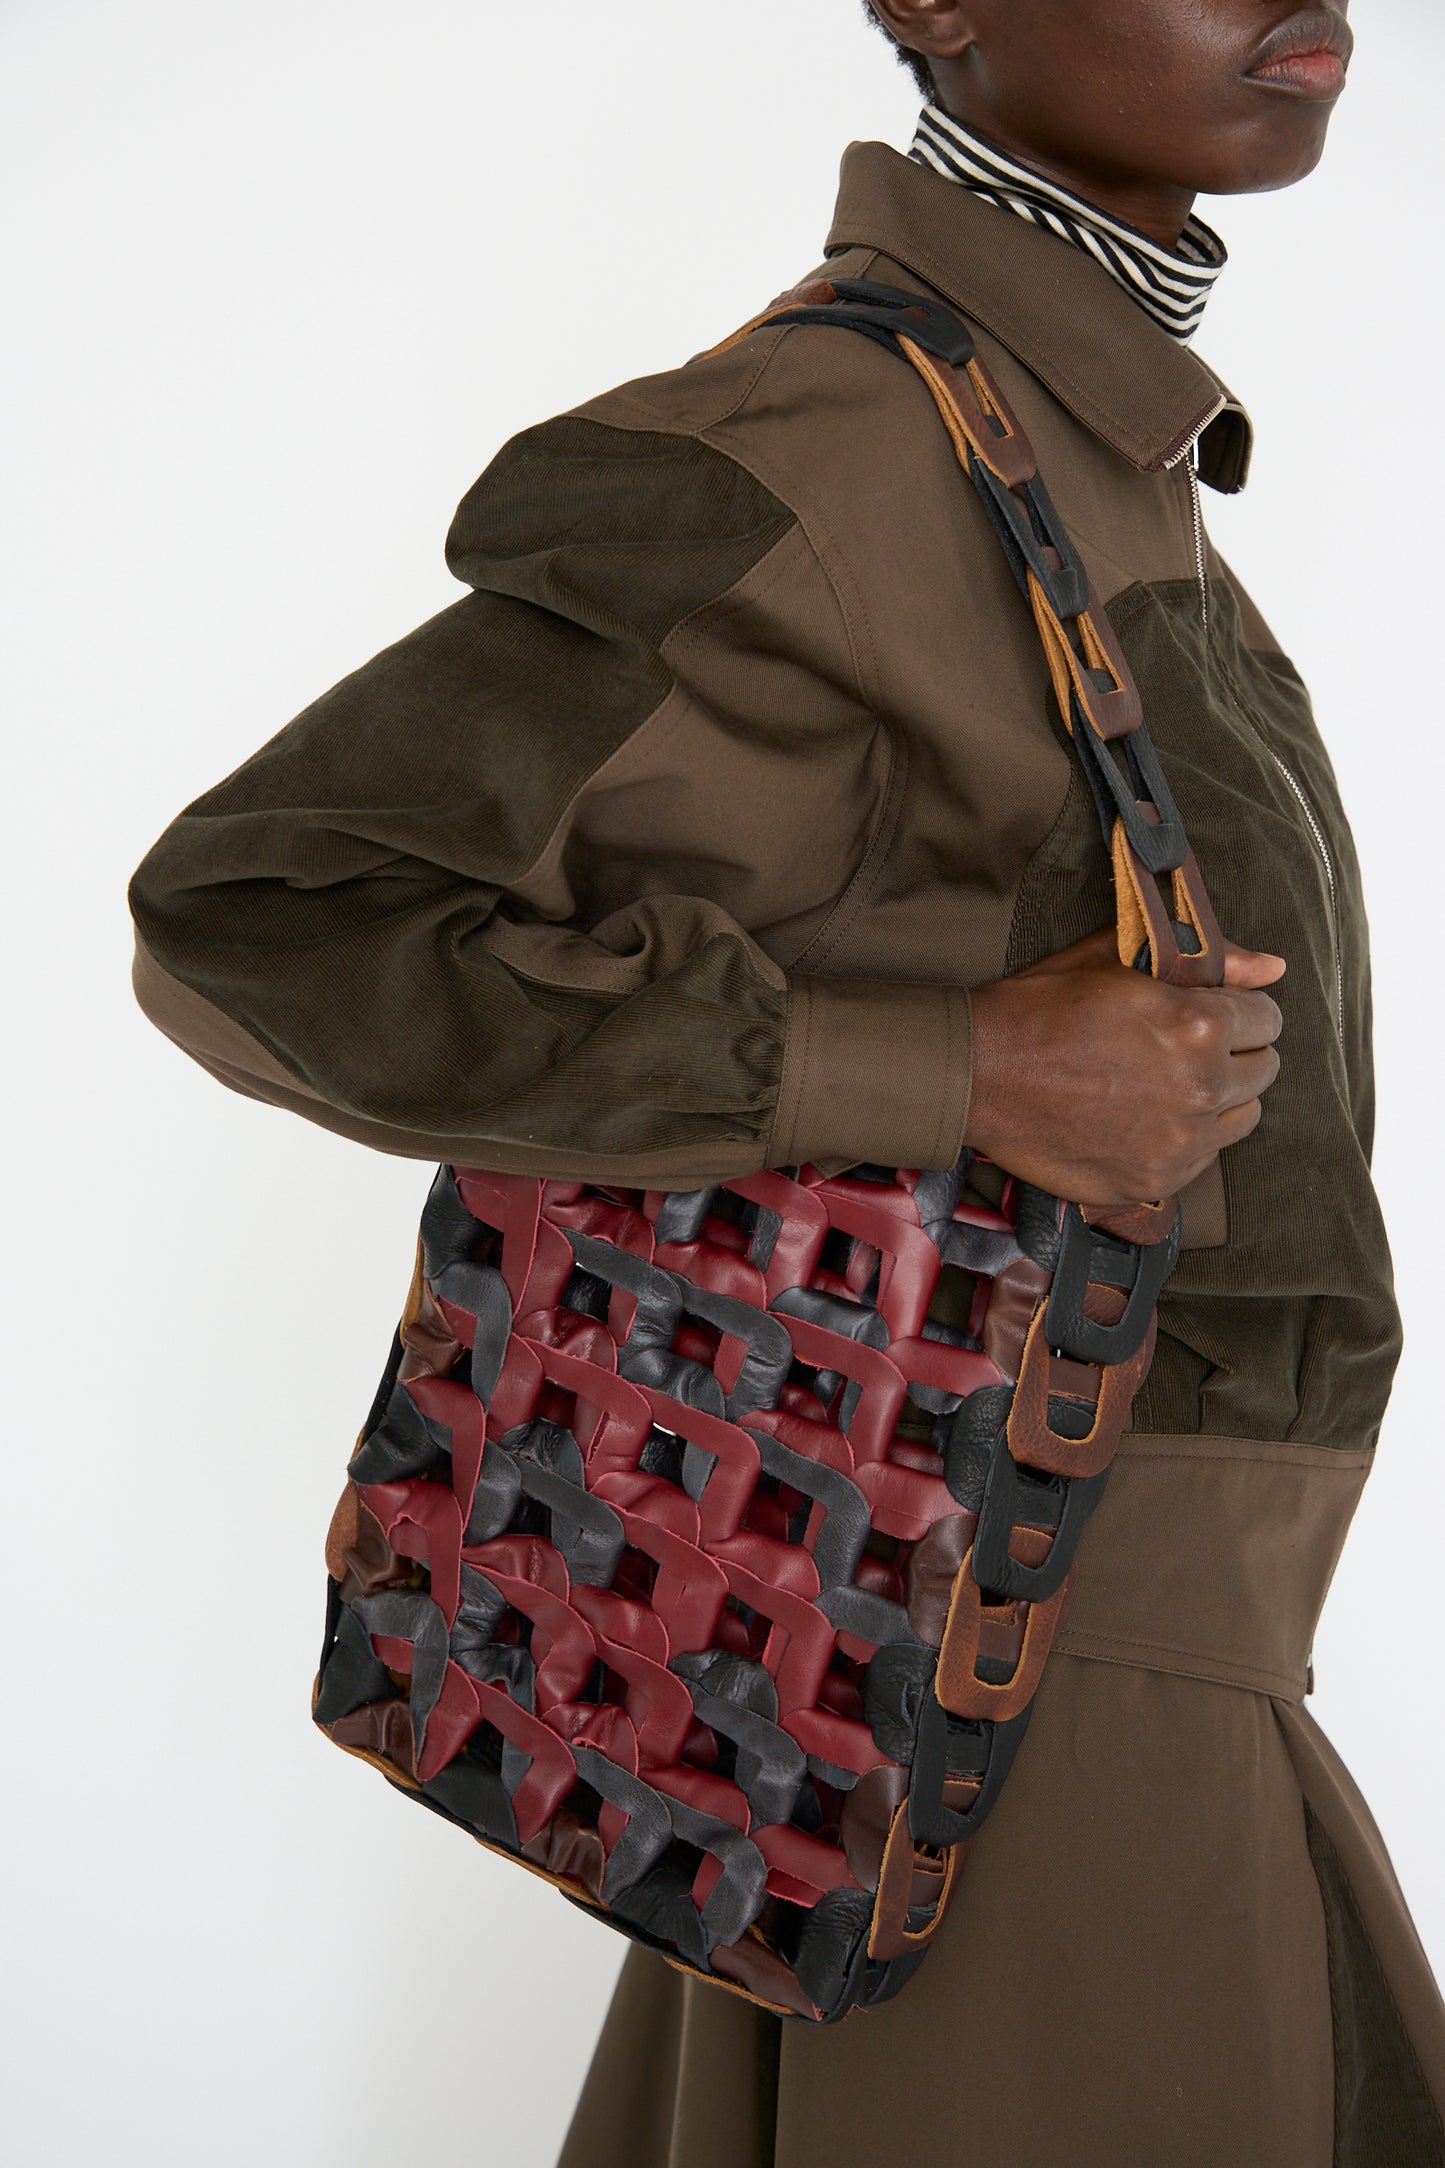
[[1204, 1093], [1200, 1052]]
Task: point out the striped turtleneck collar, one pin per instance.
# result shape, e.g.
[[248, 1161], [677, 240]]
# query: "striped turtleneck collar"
[[1170, 284]]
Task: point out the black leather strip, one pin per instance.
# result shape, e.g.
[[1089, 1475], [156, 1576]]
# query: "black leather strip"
[[649, 1824], [404, 1443], [409, 1615], [847, 1523]]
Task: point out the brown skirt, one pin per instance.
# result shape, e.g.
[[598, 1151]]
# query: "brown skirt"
[[1178, 1942]]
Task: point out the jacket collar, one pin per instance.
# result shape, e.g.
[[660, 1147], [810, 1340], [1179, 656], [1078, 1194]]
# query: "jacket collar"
[[1054, 309]]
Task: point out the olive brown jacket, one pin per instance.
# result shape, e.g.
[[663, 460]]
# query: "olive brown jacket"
[[670, 851]]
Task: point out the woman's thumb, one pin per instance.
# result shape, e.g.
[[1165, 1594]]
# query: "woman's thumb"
[[1251, 967]]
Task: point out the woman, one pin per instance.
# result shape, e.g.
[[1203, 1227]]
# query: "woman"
[[724, 824]]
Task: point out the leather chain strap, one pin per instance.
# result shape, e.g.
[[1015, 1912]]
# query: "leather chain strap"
[[1088, 1347]]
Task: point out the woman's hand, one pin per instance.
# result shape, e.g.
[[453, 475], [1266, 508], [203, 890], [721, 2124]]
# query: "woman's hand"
[[1106, 1087]]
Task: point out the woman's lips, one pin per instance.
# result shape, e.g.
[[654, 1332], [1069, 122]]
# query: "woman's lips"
[[1320, 74], [1308, 55]]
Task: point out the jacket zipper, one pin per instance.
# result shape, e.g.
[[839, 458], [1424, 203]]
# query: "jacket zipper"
[[1185, 456], [1200, 568], [1297, 789]]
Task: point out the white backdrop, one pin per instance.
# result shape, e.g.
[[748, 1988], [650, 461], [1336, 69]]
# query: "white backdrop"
[[280, 276]]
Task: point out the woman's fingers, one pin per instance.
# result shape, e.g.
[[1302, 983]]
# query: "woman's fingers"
[[1251, 967], [1092, 1080], [1249, 1077], [1244, 968], [1251, 1020]]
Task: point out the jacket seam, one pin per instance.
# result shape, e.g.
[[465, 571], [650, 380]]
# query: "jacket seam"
[[845, 910], [627, 396], [689, 634], [681, 639], [715, 433], [859, 633], [794, 1066], [1262, 1459], [689, 631], [1288, 1683]]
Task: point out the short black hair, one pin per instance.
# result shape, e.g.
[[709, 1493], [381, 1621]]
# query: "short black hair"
[[915, 63]]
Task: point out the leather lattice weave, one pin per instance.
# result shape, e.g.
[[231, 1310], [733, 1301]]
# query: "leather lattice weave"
[[650, 1544]]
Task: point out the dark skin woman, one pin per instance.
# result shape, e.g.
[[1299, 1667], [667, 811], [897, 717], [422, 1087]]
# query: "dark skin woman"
[[1090, 1079], [686, 841]]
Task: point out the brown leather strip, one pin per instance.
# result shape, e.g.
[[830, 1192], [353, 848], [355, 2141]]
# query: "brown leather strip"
[[1142, 917], [381, 1732], [750, 1968], [1144, 1224], [1193, 908], [981, 424], [817, 293], [570, 1853], [870, 1812], [1116, 710], [1035, 1443], [932, 1570], [970, 403], [1013, 1302], [958, 1686], [910, 1877]]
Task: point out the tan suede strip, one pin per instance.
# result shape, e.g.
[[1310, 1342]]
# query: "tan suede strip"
[[1212, 1557], [875, 1069]]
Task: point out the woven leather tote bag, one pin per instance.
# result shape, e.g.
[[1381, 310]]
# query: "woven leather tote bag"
[[702, 1551]]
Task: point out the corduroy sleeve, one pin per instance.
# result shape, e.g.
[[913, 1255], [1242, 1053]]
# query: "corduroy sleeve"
[[511, 894]]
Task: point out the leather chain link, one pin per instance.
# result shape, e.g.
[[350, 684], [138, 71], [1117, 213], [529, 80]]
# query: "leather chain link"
[[1030, 1466]]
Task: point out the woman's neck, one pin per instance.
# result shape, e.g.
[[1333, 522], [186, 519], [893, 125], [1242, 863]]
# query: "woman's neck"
[[1157, 208]]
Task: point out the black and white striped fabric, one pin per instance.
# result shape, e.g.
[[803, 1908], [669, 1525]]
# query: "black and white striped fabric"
[[1170, 284]]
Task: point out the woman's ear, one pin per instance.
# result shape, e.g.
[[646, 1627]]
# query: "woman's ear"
[[936, 29]]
